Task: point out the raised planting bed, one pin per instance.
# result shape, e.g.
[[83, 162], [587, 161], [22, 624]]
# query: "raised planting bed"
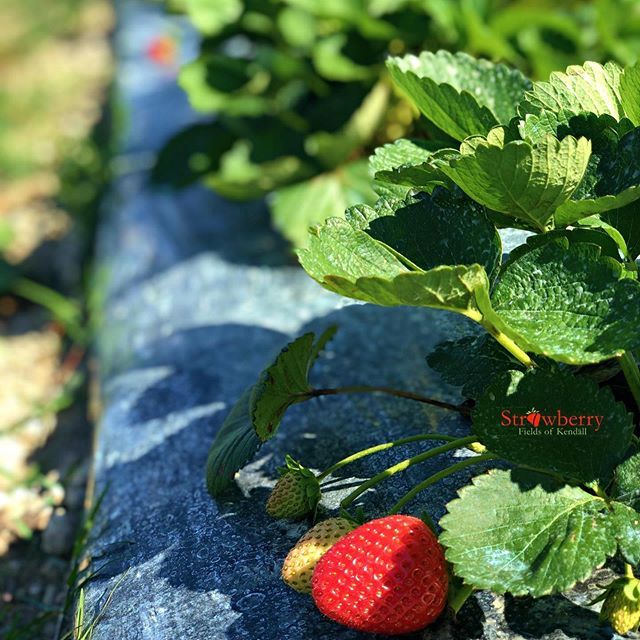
[[198, 297]]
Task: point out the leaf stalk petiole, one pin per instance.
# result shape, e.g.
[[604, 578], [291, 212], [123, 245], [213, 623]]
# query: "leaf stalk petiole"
[[399, 393], [405, 464], [436, 477], [382, 447]]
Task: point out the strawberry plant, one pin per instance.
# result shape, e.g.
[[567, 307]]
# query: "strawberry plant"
[[300, 95], [549, 370]]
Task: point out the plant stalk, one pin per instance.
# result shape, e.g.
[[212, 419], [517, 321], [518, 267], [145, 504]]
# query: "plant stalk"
[[382, 447], [628, 570], [454, 468], [629, 367], [64, 311], [503, 339], [405, 464], [399, 393]]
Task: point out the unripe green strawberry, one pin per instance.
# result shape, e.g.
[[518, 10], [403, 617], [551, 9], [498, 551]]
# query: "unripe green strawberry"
[[298, 566], [621, 606], [296, 494]]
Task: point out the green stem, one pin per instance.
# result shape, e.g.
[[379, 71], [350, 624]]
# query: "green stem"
[[436, 477], [405, 464], [383, 447], [508, 344], [628, 570], [64, 310], [399, 393], [629, 367]]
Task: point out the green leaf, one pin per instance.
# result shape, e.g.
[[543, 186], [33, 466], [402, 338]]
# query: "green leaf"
[[332, 149], [192, 153], [445, 228], [526, 534], [627, 521], [459, 94], [409, 164], [256, 415], [351, 263], [626, 485], [591, 88], [361, 257], [285, 382], [297, 207], [402, 152], [568, 302], [331, 63], [611, 181], [240, 178], [472, 362], [221, 84], [235, 444], [626, 221], [523, 180], [298, 27], [211, 16], [630, 93], [607, 244], [555, 421]]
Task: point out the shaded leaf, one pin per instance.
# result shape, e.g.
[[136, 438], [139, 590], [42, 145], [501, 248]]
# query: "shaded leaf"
[[626, 485], [612, 181], [285, 382], [445, 228], [472, 362], [607, 244], [192, 153], [235, 444], [574, 428], [626, 221], [351, 263]]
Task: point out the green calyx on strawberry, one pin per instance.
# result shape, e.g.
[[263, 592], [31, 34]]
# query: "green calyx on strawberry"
[[621, 606], [388, 576], [296, 493]]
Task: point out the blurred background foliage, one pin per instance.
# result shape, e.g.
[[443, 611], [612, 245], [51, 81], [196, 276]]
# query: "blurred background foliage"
[[55, 72], [300, 96]]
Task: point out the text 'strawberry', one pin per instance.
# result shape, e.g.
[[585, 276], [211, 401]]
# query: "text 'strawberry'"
[[388, 576], [299, 564]]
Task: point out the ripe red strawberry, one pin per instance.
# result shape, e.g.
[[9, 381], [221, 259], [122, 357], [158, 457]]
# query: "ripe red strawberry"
[[162, 50], [303, 558], [388, 576]]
